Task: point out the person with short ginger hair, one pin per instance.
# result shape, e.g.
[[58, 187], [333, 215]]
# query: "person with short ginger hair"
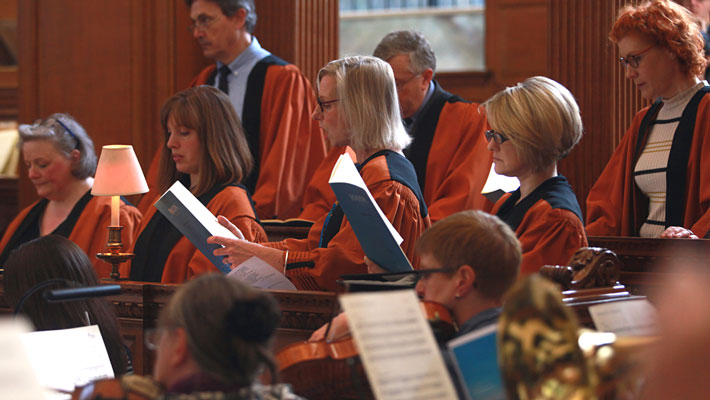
[[204, 149], [61, 163], [272, 99], [448, 149], [656, 182], [535, 124], [358, 107]]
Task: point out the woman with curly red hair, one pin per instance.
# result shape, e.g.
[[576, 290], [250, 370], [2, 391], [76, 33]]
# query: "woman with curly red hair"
[[657, 182]]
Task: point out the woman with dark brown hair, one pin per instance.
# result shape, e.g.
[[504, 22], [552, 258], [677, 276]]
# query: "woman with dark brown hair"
[[54, 257], [205, 149], [656, 182]]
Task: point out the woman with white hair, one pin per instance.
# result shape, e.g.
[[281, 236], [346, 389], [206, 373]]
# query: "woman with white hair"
[[61, 162], [357, 107], [535, 124]]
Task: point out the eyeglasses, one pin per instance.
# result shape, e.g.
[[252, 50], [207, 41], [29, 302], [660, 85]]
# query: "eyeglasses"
[[496, 136], [202, 23], [325, 105], [401, 84], [426, 273], [633, 60]]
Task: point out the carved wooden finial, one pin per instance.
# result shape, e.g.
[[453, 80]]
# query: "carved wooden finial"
[[589, 267]]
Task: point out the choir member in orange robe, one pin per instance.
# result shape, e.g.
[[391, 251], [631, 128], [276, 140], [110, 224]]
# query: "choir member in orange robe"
[[205, 149], [448, 148], [657, 182], [358, 107], [535, 124], [272, 98], [61, 163]]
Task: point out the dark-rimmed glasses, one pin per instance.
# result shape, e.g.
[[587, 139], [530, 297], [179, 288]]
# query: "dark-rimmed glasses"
[[633, 60], [202, 23], [496, 136], [324, 105]]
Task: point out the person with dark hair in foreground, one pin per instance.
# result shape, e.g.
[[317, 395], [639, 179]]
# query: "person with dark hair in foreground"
[[55, 257]]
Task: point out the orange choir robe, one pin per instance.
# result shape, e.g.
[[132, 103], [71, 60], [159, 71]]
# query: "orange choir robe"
[[184, 261], [312, 267], [547, 222], [88, 232], [291, 144], [449, 153], [615, 205]]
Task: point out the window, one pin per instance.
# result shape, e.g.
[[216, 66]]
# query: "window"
[[455, 28]]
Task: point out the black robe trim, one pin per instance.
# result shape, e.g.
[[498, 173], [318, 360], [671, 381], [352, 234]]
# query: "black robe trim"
[[424, 129], [29, 227], [676, 173], [158, 238], [251, 115], [556, 191]]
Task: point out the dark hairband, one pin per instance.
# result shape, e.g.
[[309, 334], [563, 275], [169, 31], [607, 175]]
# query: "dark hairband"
[[252, 320], [66, 128]]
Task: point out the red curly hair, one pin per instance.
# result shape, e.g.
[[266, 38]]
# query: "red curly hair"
[[670, 25]]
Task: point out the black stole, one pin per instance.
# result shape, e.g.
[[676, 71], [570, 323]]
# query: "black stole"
[[424, 129], [29, 227]]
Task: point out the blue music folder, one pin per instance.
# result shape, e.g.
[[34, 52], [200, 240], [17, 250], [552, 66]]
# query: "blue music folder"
[[475, 357]]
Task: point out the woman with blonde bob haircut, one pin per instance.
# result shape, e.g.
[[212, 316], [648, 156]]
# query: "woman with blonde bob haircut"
[[205, 149], [656, 182], [357, 107], [535, 124]]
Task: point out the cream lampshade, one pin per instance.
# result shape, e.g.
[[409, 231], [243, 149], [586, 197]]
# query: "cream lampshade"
[[118, 174]]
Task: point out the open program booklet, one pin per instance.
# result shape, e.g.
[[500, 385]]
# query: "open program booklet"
[[378, 238], [197, 223]]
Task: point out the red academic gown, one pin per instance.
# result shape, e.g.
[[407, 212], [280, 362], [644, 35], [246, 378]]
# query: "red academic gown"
[[290, 143], [312, 267], [183, 261], [88, 231], [449, 153], [547, 222], [615, 205]]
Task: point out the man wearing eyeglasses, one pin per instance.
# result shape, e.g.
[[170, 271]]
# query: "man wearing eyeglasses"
[[272, 98], [449, 148]]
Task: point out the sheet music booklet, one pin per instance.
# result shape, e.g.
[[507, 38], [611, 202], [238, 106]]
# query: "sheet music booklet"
[[378, 238], [197, 223]]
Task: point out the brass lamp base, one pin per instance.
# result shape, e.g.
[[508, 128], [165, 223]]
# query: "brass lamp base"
[[115, 257]]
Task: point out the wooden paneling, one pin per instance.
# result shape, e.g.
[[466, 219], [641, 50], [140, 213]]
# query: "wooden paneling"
[[303, 32], [585, 61]]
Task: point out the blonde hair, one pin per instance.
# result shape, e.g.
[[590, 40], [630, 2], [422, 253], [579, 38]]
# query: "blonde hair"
[[368, 102], [541, 118]]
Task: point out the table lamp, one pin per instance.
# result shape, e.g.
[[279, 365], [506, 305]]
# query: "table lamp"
[[117, 174]]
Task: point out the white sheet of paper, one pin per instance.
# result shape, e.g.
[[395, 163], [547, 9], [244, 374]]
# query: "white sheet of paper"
[[502, 182], [346, 172], [625, 318], [67, 358], [397, 346], [18, 379], [200, 211], [257, 273]]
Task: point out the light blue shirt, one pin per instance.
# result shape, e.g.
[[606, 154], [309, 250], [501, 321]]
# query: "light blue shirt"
[[241, 68]]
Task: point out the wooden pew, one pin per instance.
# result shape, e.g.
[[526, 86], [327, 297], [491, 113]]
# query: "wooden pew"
[[8, 202], [641, 257], [139, 304]]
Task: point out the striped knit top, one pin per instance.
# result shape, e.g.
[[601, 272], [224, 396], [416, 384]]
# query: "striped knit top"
[[650, 169]]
